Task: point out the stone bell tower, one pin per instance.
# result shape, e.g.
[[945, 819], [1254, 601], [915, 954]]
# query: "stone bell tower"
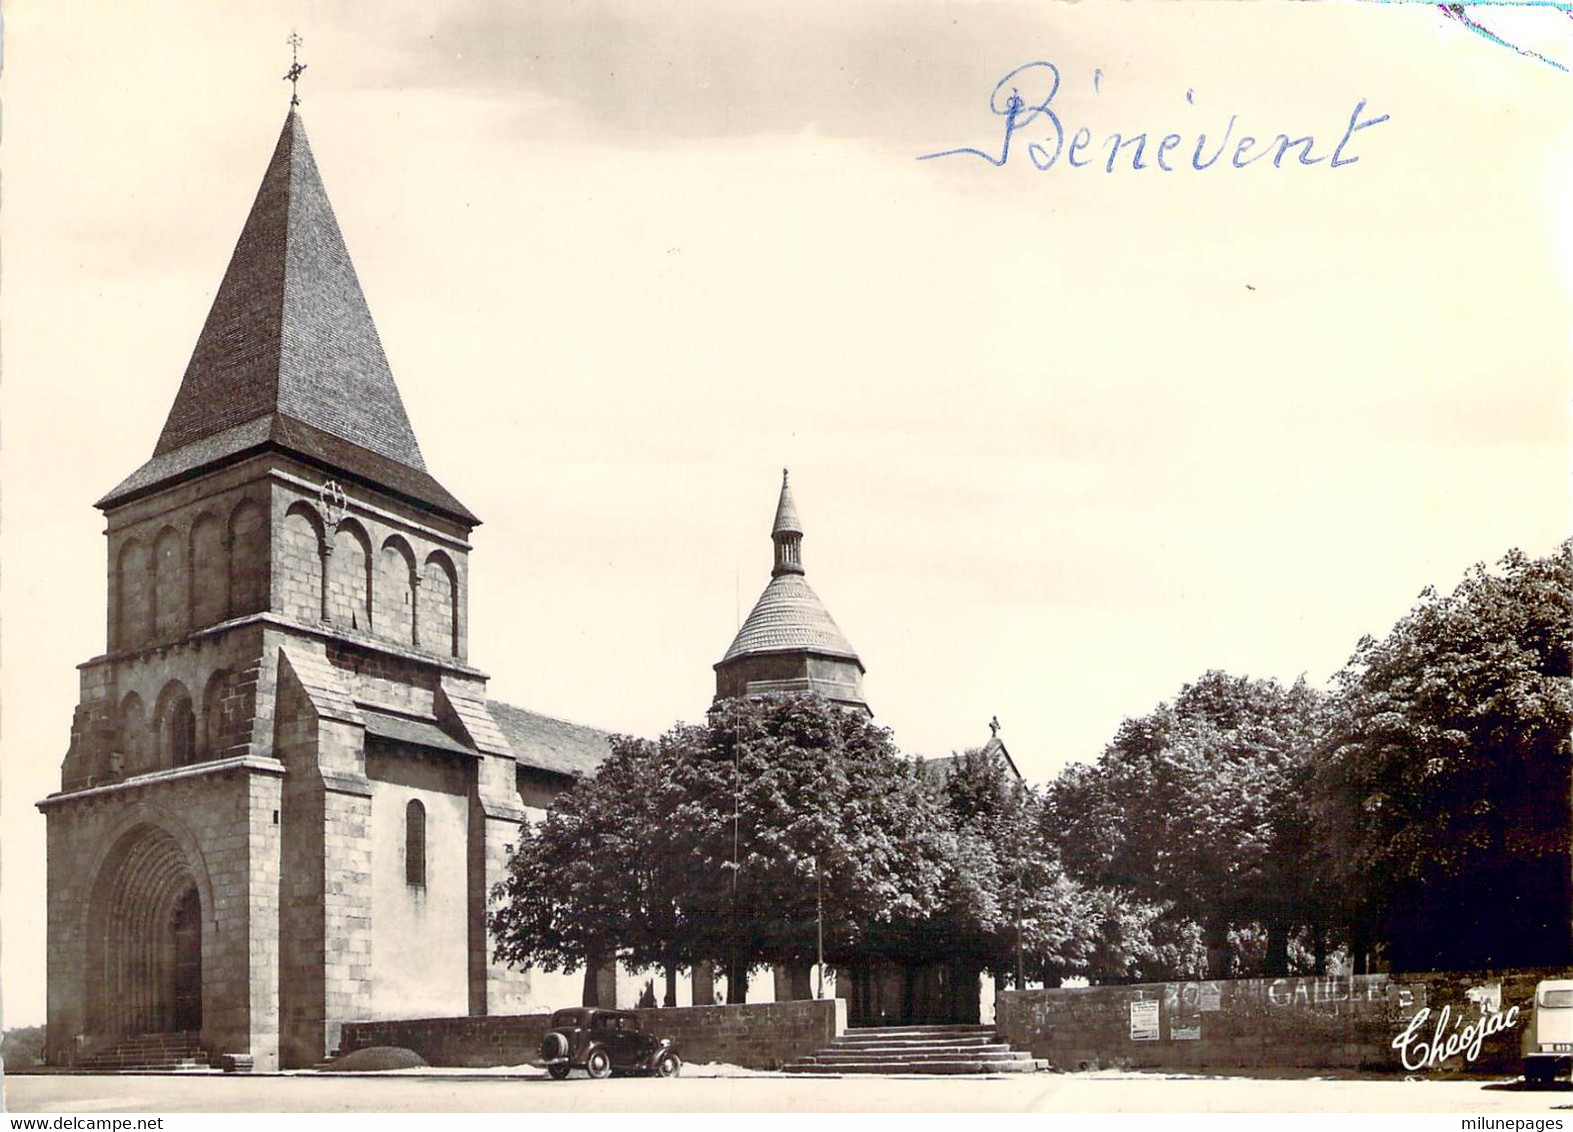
[[789, 642], [284, 799]]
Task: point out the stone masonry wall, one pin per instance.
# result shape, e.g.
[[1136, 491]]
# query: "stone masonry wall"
[[372, 574], [1347, 1022], [221, 818], [755, 1035]]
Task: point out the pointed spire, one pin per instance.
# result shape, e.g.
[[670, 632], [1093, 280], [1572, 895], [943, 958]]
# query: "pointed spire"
[[289, 332], [289, 356], [789, 642], [786, 510], [787, 533]]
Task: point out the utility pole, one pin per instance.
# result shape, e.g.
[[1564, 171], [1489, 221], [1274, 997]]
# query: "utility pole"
[[732, 978], [819, 903], [1021, 983]]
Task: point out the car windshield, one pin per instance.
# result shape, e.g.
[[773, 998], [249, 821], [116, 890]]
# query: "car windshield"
[[1557, 999]]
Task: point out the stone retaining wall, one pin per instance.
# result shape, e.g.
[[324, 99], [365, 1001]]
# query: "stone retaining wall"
[[1348, 1022], [757, 1036]]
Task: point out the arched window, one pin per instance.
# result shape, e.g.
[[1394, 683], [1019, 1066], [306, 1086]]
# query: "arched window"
[[133, 595], [349, 581], [133, 746], [415, 844], [169, 585], [248, 559], [393, 599], [438, 625], [208, 570], [218, 717], [182, 732]]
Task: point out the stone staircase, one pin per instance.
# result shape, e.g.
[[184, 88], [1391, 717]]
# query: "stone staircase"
[[916, 1049], [176, 1052]]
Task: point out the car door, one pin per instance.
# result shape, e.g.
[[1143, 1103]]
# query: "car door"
[[603, 1032], [633, 1042]]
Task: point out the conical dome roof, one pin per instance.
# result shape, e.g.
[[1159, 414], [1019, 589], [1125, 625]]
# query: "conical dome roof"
[[787, 521], [789, 617]]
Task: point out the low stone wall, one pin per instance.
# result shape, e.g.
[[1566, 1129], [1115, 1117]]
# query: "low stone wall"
[[498, 1039], [1348, 1022], [758, 1036]]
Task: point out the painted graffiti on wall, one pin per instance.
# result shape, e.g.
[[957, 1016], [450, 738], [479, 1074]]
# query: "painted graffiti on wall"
[[1184, 1004], [1422, 1045], [1327, 990]]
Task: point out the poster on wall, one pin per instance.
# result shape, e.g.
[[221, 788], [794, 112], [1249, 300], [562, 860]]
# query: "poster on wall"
[[1183, 1005], [1144, 1020], [1211, 997]]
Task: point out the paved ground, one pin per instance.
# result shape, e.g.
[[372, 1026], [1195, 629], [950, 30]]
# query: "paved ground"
[[1040, 1092]]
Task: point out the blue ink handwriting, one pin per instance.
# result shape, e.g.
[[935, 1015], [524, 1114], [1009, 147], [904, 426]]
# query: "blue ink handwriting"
[[1024, 96]]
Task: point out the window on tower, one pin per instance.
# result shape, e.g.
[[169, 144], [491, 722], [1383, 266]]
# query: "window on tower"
[[182, 732], [415, 844]]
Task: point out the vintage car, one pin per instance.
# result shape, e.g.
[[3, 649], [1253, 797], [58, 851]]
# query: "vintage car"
[[603, 1042], [1548, 1040]]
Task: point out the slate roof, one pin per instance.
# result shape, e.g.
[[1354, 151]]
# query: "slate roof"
[[789, 617], [289, 356], [939, 769], [787, 521], [285, 434], [417, 731], [543, 742]]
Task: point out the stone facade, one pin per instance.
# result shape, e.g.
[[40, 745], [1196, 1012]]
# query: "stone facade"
[[287, 798]]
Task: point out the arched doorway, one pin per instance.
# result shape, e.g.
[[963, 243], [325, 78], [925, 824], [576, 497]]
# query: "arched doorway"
[[186, 929], [144, 955]]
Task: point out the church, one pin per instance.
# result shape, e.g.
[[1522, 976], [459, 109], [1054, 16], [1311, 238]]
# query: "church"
[[287, 795]]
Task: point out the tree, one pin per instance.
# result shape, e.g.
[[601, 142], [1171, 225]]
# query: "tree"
[[1189, 807], [1009, 905], [823, 820], [1443, 786], [1133, 940], [594, 881], [22, 1047], [734, 841]]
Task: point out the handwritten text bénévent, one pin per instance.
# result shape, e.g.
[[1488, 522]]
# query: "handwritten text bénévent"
[[1024, 99]]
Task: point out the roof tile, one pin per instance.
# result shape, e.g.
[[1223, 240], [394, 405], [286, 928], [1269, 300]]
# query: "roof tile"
[[789, 617], [546, 743], [289, 355]]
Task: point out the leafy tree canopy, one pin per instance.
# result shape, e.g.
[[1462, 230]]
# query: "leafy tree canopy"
[[1443, 785]]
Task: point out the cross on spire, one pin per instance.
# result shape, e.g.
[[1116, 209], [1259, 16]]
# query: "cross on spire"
[[295, 68]]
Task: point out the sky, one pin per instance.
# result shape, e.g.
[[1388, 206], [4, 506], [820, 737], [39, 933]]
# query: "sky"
[[1061, 440]]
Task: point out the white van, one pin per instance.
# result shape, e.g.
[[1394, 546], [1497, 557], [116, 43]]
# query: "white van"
[[1548, 1041]]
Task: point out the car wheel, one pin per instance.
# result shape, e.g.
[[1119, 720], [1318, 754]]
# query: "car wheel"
[[668, 1065], [558, 1072], [598, 1065]]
